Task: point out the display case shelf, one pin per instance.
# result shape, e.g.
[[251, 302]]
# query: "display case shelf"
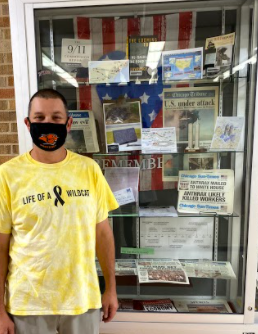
[[180, 215], [135, 153]]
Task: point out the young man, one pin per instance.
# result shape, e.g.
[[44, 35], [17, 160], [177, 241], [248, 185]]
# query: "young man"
[[53, 220]]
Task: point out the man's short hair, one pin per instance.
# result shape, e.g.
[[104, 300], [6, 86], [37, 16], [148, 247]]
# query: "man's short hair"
[[48, 94]]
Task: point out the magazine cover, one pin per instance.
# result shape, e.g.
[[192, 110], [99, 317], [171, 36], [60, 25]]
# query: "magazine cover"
[[219, 50], [202, 191], [138, 49], [182, 64], [227, 133], [83, 136]]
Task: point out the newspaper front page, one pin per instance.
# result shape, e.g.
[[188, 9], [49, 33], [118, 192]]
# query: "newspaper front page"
[[202, 306], [123, 267], [83, 135], [161, 272], [206, 191], [183, 106], [209, 269]]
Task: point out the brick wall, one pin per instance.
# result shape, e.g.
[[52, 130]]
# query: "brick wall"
[[8, 126]]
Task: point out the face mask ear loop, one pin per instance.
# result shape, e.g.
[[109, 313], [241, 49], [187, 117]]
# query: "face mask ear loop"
[[67, 120], [29, 120]]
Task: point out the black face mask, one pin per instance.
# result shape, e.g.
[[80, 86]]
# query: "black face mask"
[[48, 136]]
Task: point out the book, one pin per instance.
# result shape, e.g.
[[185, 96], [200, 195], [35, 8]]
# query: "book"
[[139, 65]]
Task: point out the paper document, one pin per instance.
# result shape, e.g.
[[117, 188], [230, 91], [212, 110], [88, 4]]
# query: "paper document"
[[185, 238], [161, 140], [112, 71], [124, 196], [124, 182], [165, 211]]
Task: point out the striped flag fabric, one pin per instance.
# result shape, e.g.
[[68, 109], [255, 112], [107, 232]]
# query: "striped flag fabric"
[[109, 42]]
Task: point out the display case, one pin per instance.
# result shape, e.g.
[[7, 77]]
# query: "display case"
[[162, 94]]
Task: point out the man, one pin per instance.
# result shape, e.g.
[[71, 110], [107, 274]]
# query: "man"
[[53, 220]]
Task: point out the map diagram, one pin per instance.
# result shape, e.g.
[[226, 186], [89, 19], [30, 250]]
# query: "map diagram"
[[109, 71], [159, 140]]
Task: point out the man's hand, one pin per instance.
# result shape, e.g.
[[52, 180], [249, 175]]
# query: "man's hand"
[[6, 324], [109, 305]]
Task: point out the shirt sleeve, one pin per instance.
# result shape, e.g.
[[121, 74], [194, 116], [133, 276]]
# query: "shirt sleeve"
[[106, 200], [5, 208]]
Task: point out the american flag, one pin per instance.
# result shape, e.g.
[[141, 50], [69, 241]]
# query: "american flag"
[[109, 42]]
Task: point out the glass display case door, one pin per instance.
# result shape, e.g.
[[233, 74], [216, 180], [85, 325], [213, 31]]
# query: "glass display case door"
[[163, 96]]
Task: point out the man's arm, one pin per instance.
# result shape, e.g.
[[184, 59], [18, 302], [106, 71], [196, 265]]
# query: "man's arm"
[[105, 250], [4, 259], [6, 325]]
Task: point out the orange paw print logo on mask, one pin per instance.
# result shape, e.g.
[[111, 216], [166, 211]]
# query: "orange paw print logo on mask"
[[49, 139]]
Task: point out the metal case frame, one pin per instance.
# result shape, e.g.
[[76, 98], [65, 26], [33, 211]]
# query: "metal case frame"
[[25, 77]]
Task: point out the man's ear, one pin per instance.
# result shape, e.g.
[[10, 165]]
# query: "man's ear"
[[27, 123], [69, 124]]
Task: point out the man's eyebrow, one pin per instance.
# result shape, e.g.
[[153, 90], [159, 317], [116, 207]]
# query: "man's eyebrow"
[[57, 112], [38, 113], [41, 112]]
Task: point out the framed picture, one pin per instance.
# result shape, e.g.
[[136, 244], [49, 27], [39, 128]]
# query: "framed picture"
[[172, 164], [200, 161]]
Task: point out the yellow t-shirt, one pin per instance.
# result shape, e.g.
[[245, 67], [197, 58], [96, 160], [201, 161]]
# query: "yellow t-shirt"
[[52, 211]]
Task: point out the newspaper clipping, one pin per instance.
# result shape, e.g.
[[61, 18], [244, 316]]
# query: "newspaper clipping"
[[83, 136], [184, 106], [206, 191], [209, 269], [122, 268], [161, 272], [202, 306]]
